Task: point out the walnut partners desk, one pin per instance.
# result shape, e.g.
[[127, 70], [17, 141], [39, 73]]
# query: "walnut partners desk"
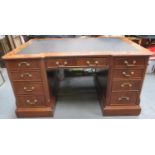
[[28, 65]]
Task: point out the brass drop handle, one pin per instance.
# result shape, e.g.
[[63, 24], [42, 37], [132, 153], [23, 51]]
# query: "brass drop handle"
[[26, 74], [65, 63], [57, 63], [25, 63], [88, 62], [32, 102], [29, 89], [126, 83], [123, 98], [130, 65], [96, 62], [128, 75], [91, 65]]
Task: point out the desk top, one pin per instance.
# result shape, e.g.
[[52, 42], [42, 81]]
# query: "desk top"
[[38, 48]]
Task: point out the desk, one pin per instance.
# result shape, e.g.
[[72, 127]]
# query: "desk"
[[28, 65]]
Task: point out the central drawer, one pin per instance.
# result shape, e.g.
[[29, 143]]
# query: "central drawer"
[[76, 62], [93, 62], [28, 88], [60, 62]]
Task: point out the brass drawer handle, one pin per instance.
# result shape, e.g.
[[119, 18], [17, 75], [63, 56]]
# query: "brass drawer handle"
[[57, 62], [29, 89], [96, 62], [32, 102], [128, 75], [59, 65], [91, 65], [126, 83], [130, 65], [65, 63], [25, 63], [26, 74], [123, 98], [88, 62]]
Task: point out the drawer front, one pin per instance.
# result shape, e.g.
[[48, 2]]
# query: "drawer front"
[[60, 63], [23, 64], [76, 62], [30, 101], [126, 85], [129, 62], [93, 62], [124, 98], [128, 73], [28, 88], [26, 75]]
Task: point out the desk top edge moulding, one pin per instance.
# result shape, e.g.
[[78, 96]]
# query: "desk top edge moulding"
[[124, 60]]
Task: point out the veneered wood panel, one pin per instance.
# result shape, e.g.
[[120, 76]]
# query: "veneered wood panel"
[[23, 64], [129, 62], [30, 101], [28, 88], [26, 75], [124, 98], [126, 85], [128, 73]]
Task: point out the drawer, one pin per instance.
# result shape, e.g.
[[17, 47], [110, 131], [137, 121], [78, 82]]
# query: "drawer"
[[76, 62], [26, 75], [124, 98], [130, 62], [92, 62], [128, 73], [126, 85], [60, 63], [23, 64], [30, 101], [28, 87]]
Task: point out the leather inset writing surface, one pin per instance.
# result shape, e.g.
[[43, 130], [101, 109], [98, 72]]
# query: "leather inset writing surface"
[[78, 45]]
